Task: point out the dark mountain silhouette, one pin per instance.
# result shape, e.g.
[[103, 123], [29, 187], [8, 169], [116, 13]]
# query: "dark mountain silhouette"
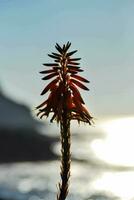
[[14, 115], [19, 138]]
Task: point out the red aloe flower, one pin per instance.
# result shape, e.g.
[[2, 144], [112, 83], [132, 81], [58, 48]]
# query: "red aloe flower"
[[64, 93], [65, 103]]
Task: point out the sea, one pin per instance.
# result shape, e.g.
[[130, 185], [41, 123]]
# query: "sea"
[[102, 168]]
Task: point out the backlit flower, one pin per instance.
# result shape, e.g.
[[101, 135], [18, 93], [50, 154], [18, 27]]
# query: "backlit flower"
[[63, 89]]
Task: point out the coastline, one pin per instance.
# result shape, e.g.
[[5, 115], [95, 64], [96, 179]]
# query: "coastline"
[[20, 145]]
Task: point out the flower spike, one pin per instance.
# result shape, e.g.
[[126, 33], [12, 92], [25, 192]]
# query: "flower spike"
[[64, 102], [64, 71]]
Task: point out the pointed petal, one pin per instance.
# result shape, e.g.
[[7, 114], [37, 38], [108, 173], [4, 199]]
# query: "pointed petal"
[[53, 56], [57, 46], [79, 84], [50, 76], [73, 63], [71, 53], [73, 67], [50, 64], [46, 111], [53, 117], [78, 106], [49, 86], [86, 112], [67, 46], [39, 113], [56, 54], [76, 92], [47, 71], [56, 68], [80, 78], [69, 102], [42, 104], [80, 115], [41, 116], [74, 59], [74, 70], [58, 60], [63, 48]]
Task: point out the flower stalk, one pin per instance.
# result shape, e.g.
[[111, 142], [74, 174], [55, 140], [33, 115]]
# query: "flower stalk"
[[65, 157], [65, 103]]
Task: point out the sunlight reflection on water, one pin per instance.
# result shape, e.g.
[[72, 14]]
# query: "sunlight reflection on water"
[[117, 149], [119, 183], [118, 146], [102, 168]]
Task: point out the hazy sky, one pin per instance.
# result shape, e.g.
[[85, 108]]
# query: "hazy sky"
[[103, 33]]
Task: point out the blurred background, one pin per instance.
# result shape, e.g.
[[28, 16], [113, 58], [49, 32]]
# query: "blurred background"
[[102, 155]]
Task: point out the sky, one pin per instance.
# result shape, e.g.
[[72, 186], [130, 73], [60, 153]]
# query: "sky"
[[101, 31]]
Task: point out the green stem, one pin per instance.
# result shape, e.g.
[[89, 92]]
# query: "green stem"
[[65, 157]]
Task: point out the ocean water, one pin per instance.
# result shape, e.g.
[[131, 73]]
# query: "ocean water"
[[102, 169]]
